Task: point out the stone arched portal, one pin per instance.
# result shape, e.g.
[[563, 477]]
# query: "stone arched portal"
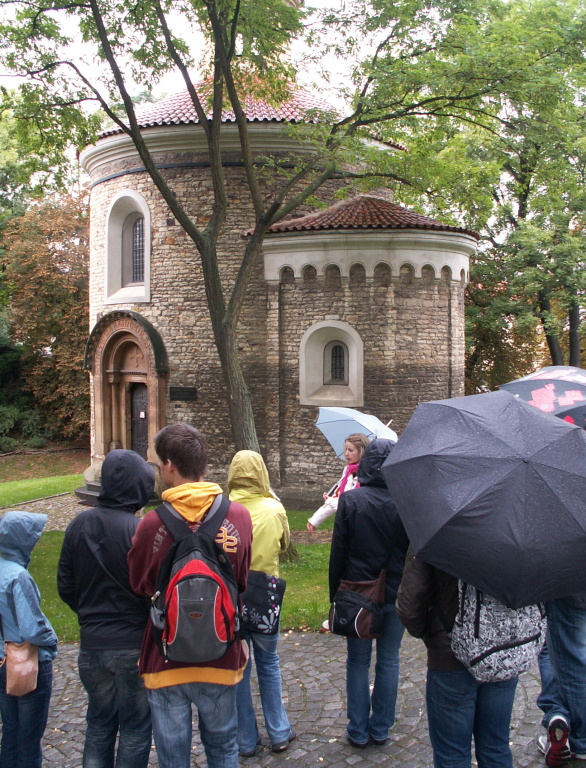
[[128, 362]]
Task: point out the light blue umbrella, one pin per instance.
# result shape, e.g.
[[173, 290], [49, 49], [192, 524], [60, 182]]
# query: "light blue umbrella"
[[337, 423]]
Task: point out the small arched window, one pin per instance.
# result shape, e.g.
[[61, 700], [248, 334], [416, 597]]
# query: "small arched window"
[[335, 363], [331, 365]]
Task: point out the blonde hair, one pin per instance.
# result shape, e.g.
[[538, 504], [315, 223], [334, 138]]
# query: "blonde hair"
[[359, 441]]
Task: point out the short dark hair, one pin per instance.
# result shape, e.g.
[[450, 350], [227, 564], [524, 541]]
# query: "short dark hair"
[[185, 447]]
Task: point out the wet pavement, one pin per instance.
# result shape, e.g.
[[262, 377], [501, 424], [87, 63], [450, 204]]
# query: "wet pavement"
[[314, 691]]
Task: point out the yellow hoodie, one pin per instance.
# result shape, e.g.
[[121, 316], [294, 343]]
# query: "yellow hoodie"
[[248, 483]]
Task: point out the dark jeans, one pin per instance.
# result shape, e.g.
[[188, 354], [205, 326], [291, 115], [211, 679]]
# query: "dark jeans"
[[24, 719], [117, 706], [458, 708]]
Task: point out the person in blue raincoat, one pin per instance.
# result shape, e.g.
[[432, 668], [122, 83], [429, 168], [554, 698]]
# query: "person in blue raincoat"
[[24, 718]]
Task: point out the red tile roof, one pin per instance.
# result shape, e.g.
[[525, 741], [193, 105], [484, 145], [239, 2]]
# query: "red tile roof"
[[179, 110], [365, 212]]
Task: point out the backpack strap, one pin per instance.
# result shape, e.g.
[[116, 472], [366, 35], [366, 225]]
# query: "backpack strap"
[[178, 526]]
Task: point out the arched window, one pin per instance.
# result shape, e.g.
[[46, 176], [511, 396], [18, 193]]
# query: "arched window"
[[133, 250], [128, 249], [336, 363]]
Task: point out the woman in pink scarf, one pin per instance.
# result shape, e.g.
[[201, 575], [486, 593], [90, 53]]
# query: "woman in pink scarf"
[[354, 447]]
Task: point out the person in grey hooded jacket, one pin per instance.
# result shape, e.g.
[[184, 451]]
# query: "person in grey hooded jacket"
[[93, 580], [24, 718]]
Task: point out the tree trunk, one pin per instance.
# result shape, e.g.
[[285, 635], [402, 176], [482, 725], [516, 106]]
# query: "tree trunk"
[[574, 318], [553, 344], [239, 404]]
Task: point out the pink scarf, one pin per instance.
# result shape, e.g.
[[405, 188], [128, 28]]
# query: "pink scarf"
[[351, 469]]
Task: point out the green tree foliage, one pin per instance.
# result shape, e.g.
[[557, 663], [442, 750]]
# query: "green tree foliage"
[[47, 278], [419, 70]]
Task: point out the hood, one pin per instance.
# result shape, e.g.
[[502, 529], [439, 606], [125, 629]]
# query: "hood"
[[248, 475], [127, 481], [372, 460], [19, 532]]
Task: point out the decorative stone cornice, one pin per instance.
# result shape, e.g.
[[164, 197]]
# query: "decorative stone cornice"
[[183, 140], [417, 248]]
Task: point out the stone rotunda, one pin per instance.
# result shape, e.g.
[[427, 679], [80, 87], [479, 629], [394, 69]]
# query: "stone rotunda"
[[360, 305]]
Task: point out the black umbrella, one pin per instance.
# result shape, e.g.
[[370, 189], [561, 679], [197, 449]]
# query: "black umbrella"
[[558, 389], [494, 492]]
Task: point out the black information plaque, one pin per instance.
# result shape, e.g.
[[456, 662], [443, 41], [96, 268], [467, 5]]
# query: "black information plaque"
[[186, 394]]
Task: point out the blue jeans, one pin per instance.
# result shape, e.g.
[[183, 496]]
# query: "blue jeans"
[[24, 719], [566, 643], [458, 708], [218, 723], [549, 700], [373, 716], [268, 671], [117, 706]]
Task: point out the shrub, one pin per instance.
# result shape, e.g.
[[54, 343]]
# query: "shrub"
[[7, 444], [35, 442], [30, 425], [9, 416]]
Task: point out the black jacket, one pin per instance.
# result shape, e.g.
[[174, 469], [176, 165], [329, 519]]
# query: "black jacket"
[[93, 573], [368, 532], [427, 603]]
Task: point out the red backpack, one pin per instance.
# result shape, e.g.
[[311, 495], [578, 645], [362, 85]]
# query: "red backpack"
[[194, 611]]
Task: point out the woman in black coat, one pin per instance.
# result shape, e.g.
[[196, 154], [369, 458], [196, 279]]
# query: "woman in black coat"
[[369, 536]]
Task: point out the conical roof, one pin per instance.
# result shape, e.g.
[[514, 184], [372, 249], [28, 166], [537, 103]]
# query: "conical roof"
[[179, 110], [365, 212]]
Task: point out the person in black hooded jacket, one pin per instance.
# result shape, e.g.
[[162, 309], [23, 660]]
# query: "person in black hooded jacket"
[[369, 536], [93, 580]]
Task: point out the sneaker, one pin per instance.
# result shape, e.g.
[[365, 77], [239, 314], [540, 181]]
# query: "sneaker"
[[281, 746], [577, 756], [555, 746]]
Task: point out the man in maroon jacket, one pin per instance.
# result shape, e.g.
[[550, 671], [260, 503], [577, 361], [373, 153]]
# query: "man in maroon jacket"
[[174, 686]]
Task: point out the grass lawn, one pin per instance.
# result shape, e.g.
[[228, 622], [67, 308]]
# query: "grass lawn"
[[305, 606], [43, 569], [23, 466], [306, 603], [15, 491], [298, 521]]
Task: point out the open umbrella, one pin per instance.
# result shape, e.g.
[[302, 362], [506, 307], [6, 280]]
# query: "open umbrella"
[[337, 423], [558, 389], [494, 492]]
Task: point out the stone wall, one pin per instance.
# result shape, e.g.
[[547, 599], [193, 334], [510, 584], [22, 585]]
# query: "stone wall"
[[412, 329]]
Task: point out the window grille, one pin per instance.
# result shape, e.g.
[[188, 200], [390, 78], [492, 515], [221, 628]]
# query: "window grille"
[[138, 251], [337, 363]]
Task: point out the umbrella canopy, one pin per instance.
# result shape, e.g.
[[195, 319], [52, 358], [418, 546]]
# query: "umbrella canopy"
[[337, 423], [494, 492], [558, 389]]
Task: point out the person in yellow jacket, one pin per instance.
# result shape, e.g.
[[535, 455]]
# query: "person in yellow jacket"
[[248, 484]]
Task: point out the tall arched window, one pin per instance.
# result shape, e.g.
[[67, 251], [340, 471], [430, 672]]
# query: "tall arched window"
[[133, 249]]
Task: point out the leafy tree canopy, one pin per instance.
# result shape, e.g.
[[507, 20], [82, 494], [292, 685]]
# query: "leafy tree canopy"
[[420, 70]]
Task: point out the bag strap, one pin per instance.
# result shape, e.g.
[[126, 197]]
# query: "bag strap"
[[179, 528]]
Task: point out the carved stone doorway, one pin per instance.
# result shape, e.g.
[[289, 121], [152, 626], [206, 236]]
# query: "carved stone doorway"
[[128, 362]]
